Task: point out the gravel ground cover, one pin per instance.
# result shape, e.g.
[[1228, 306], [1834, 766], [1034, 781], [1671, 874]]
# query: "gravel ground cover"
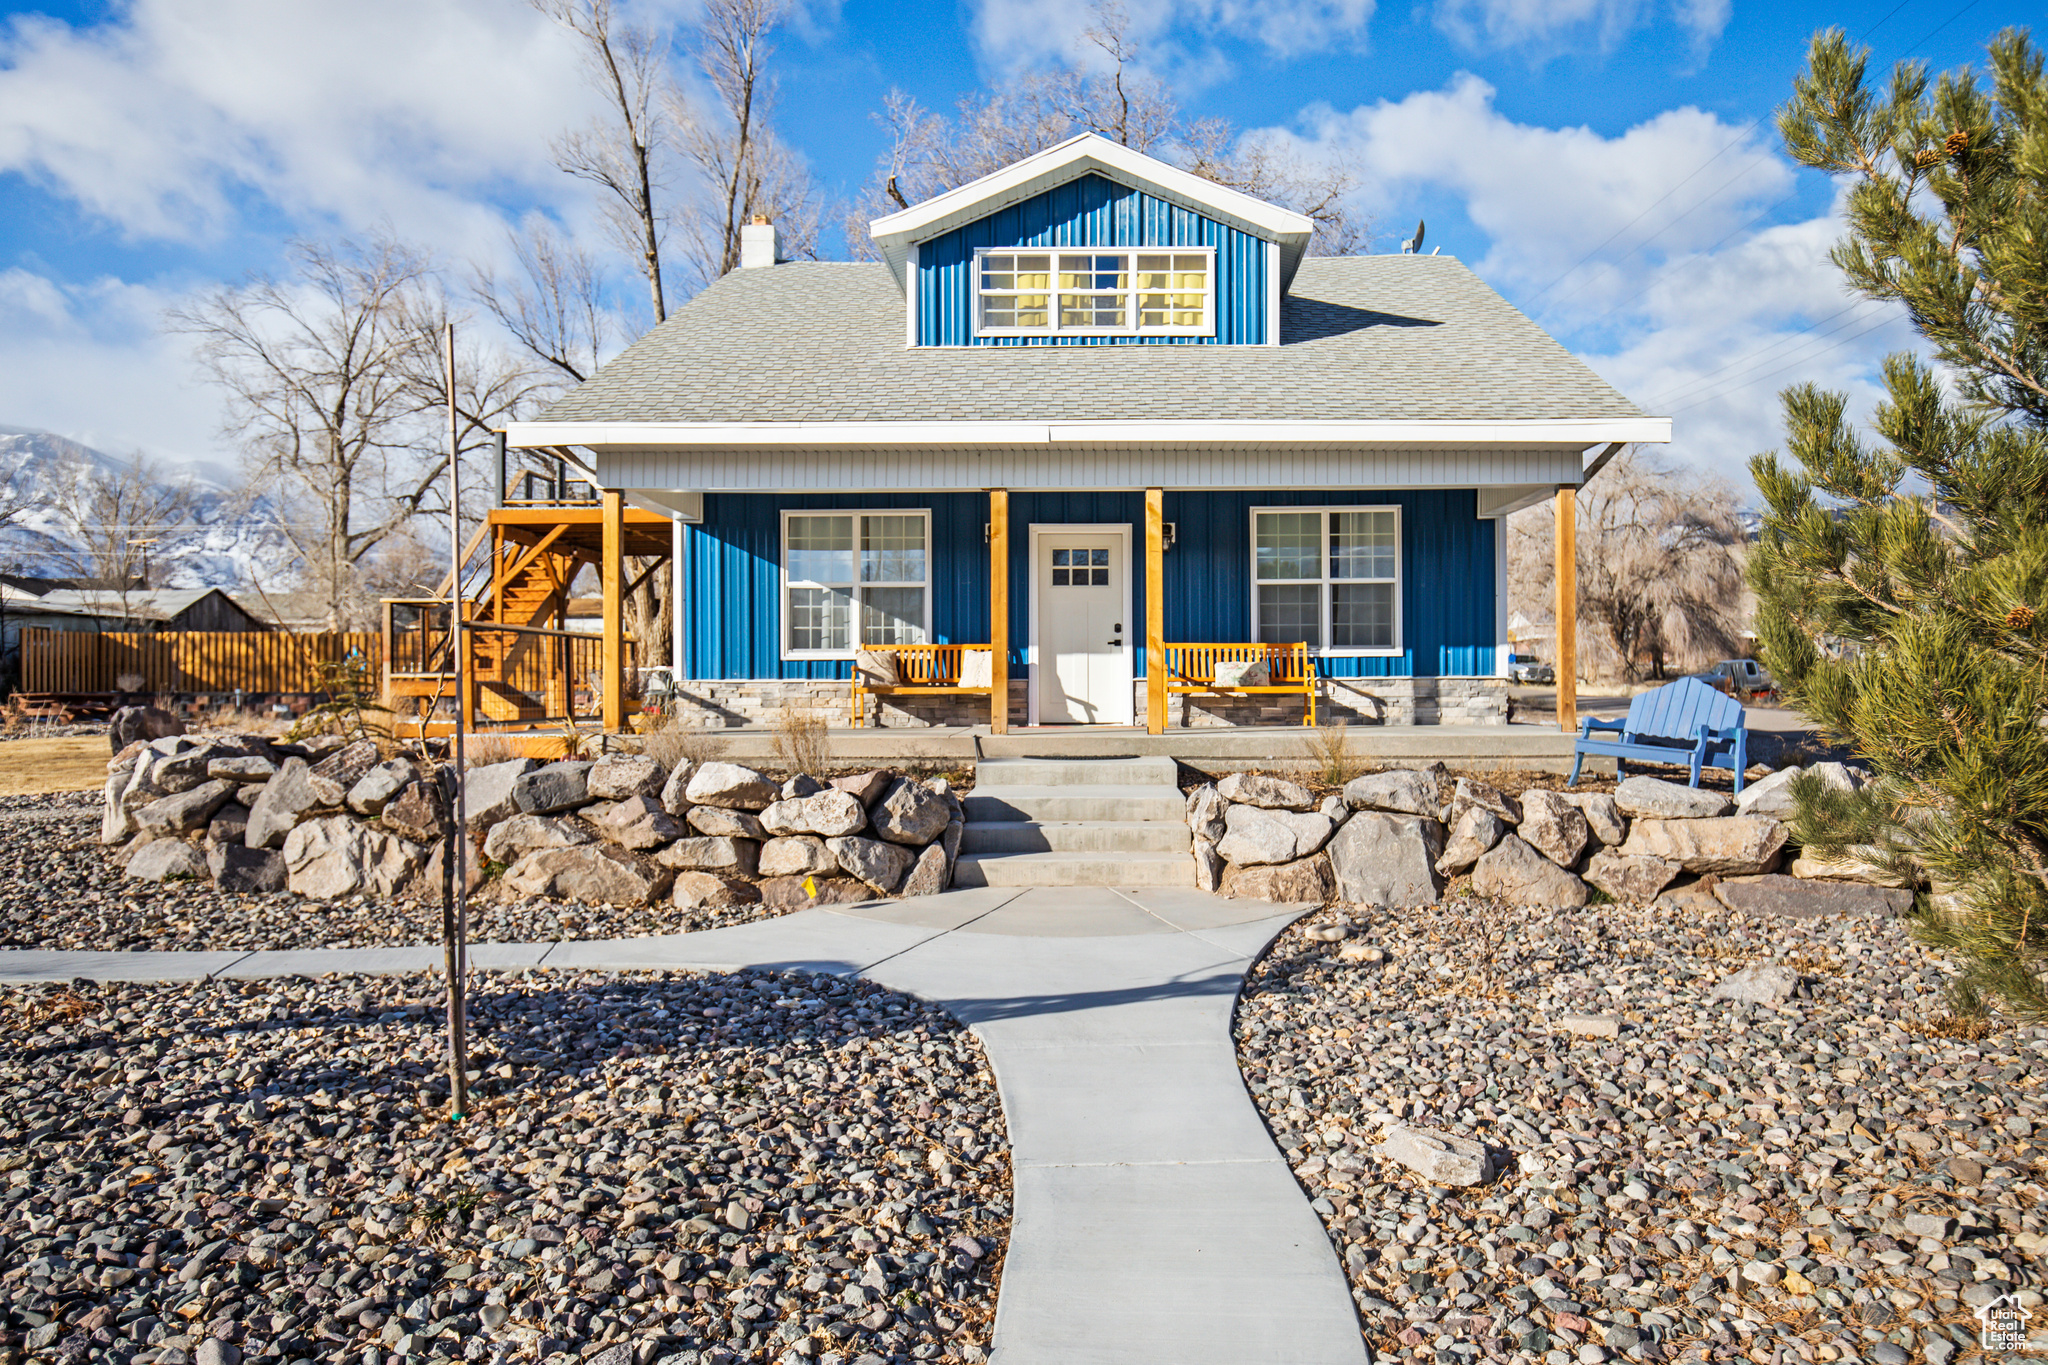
[[1846, 1175], [51, 860], [681, 1168]]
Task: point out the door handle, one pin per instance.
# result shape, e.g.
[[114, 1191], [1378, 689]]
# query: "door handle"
[[1116, 642]]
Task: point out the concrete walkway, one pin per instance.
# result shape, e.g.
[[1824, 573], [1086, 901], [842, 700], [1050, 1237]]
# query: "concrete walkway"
[[1154, 1220]]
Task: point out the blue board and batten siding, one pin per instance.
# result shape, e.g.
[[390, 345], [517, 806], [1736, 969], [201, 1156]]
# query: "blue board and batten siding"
[[1092, 211], [734, 560]]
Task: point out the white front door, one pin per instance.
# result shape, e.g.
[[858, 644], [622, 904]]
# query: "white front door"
[[1083, 660]]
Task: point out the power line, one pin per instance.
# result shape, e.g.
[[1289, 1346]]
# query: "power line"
[[1706, 380], [1737, 388]]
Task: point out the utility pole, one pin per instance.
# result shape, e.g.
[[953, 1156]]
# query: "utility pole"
[[454, 872]]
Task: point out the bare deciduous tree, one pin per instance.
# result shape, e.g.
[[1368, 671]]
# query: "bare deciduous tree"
[[1659, 563], [115, 517], [556, 309]]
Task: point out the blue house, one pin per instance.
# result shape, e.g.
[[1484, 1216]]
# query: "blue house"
[[1083, 411]]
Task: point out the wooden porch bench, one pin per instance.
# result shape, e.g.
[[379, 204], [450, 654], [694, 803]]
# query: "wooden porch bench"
[[1192, 668], [923, 670]]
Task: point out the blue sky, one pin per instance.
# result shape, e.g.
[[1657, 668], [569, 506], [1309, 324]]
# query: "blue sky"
[[1609, 165]]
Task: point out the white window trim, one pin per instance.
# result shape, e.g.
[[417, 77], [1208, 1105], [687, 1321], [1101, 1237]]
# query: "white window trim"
[[783, 583], [1327, 650], [1131, 292]]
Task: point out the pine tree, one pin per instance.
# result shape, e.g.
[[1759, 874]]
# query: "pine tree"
[[1901, 583]]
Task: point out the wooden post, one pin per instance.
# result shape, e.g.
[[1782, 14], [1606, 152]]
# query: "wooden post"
[[999, 611], [613, 574], [1566, 547], [1155, 611]]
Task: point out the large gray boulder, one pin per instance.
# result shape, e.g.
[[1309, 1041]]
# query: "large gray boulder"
[[720, 823], [186, 770], [133, 723], [1516, 874], [1209, 865], [1554, 827], [1632, 880], [675, 792], [1255, 835], [511, 839], [284, 801], [374, 789], [241, 768], [1656, 799], [930, 874], [229, 825], [1269, 793], [797, 855], [829, 814], [1772, 795], [1206, 812], [1732, 846], [346, 765], [880, 864], [710, 891], [1401, 791], [249, 871], [1802, 899], [731, 786], [616, 777], [1476, 831], [337, 856], [1307, 879], [597, 874], [739, 856], [865, 787], [558, 786], [910, 813], [416, 814], [165, 860], [1470, 792], [487, 791], [1383, 859], [1603, 816], [117, 817], [639, 822], [185, 811]]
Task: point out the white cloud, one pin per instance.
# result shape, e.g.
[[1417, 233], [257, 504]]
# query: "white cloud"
[[1175, 36], [1493, 24]]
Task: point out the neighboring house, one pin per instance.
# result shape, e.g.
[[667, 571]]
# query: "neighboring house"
[[1133, 392], [125, 609]]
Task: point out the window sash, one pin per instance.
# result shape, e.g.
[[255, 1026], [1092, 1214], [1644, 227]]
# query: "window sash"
[[1327, 576], [1134, 291], [853, 578]]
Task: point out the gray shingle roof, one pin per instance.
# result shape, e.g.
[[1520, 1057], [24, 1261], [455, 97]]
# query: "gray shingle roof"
[[1362, 338]]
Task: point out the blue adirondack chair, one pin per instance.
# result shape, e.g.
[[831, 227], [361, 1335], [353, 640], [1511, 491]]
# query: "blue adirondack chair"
[[1682, 722]]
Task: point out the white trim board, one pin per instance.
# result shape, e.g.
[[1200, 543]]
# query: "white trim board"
[[1078, 528], [1577, 432]]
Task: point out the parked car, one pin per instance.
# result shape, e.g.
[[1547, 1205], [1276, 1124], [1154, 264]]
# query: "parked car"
[[1523, 668], [1743, 679]]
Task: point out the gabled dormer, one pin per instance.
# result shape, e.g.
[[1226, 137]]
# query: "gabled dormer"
[[1091, 243]]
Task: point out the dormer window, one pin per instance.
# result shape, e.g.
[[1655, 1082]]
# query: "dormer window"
[[1096, 292]]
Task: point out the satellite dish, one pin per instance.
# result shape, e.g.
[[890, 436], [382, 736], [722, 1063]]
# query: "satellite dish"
[[1413, 244]]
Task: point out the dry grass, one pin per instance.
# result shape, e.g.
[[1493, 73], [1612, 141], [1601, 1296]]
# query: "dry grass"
[[800, 743], [482, 750], [1969, 1028], [1329, 748], [672, 745], [238, 720], [77, 763]]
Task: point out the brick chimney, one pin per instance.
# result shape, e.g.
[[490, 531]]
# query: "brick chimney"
[[757, 243]]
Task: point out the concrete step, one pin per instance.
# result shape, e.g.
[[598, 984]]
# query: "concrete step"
[[1074, 869], [1067, 804], [1101, 836], [1076, 772]]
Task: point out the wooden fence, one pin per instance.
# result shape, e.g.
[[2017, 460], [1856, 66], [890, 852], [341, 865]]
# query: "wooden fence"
[[190, 660]]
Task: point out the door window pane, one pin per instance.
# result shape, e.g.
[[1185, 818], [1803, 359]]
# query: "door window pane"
[[1291, 613], [1289, 545], [1362, 615], [821, 549]]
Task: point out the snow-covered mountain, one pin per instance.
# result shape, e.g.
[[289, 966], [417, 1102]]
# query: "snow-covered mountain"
[[227, 540]]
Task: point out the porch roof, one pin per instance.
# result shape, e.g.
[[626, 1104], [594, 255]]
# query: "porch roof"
[[1405, 342]]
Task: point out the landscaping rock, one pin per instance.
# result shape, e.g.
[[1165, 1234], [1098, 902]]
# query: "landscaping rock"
[[830, 814], [1402, 791], [910, 814], [1733, 845], [251, 871], [375, 789], [1660, 800], [1209, 865], [488, 791], [117, 817], [798, 787], [720, 823], [230, 825], [558, 786], [707, 890], [639, 822], [1770, 795], [1470, 793], [1849, 867], [1514, 873], [186, 770], [1691, 898], [163, 860], [1269, 793], [1631, 880], [511, 839], [798, 855], [1554, 827], [346, 765], [930, 874], [866, 787], [675, 797], [617, 777], [879, 864], [284, 801], [241, 768], [133, 723], [1780, 895], [1258, 834], [1310, 879], [336, 856], [1438, 1157], [806, 893], [731, 786], [741, 856], [597, 873], [1382, 859], [415, 814], [1767, 983], [1603, 815], [186, 811], [1477, 830], [1592, 1025], [1206, 812]]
